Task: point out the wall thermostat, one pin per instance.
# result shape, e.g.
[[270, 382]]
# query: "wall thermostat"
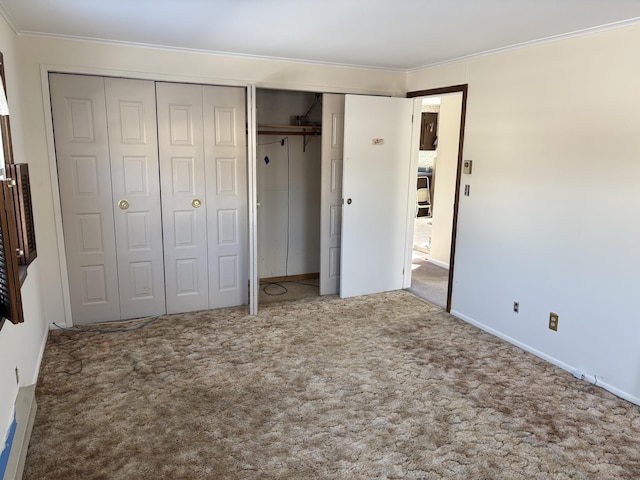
[[466, 166]]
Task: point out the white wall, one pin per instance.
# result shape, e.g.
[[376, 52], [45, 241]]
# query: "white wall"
[[20, 345], [37, 54], [444, 184], [288, 188], [554, 133]]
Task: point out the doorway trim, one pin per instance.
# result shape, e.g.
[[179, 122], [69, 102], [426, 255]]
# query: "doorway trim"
[[463, 88]]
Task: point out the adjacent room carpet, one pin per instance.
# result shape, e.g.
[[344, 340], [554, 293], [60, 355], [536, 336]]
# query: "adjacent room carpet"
[[383, 386], [429, 281]]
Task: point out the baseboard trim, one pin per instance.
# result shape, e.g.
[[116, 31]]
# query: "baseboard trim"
[[43, 345], [25, 418], [292, 278], [558, 363], [438, 263]]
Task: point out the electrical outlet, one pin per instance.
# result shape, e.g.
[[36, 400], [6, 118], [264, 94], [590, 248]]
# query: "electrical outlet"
[[553, 321], [516, 307]]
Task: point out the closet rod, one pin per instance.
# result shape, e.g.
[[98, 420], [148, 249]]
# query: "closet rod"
[[271, 132], [291, 127]]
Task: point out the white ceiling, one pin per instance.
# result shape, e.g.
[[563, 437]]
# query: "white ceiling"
[[393, 34]]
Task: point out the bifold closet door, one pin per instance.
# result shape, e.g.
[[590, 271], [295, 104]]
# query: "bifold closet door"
[[202, 140], [84, 174], [331, 192], [153, 188], [225, 143], [105, 135], [182, 179], [133, 146]]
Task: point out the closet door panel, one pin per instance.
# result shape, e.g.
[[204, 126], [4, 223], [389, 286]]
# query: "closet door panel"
[[84, 175], [226, 176], [184, 206], [131, 112], [331, 192]]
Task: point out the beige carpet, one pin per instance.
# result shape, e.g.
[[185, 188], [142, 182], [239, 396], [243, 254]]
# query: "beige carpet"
[[384, 386]]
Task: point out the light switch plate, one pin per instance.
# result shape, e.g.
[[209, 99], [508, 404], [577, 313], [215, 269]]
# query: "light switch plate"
[[466, 166]]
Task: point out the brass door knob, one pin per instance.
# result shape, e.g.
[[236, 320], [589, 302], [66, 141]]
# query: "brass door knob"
[[123, 204], [196, 203]]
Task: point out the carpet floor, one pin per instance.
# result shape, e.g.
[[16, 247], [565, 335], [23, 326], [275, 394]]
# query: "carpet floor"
[[286, 291], [430, 282], [383, 386]]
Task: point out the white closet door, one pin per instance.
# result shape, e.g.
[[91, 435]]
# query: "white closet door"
[[182, 178], [331, 192], [376, 187], [226, 178], [131, 113], [82, 152]]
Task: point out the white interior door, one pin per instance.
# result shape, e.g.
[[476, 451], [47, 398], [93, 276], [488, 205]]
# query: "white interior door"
[[331, 192], [182, 177], [131, 114], [376, 188], [82, 153], [225, 149]]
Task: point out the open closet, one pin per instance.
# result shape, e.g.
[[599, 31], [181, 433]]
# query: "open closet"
[[288, 184], [299, 186]]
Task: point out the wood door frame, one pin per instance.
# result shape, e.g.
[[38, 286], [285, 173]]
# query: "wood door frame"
[[463, 89]]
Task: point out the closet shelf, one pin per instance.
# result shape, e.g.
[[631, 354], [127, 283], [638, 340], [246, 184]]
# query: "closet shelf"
[[270, 129]]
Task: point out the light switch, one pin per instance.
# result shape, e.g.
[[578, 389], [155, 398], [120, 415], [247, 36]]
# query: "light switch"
[[466, 166]]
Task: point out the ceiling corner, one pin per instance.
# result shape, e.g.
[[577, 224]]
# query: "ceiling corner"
[[9, 19]]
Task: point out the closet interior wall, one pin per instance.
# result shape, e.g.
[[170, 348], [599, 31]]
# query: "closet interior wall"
[[288, 186]]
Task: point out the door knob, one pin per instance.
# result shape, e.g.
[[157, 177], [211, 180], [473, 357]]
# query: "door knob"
[[196, 203], [123, 204], [349, 201]]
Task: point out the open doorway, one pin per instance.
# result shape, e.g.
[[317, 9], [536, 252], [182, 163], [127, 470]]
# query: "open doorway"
[[437, 183]]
